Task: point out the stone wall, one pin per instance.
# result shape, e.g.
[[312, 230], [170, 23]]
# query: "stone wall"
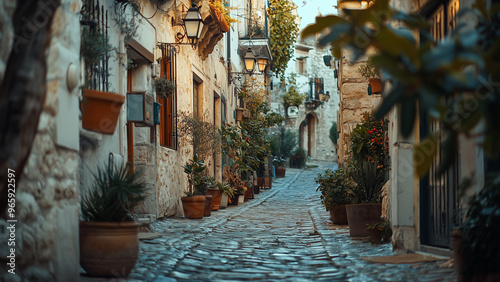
[[47, 197], [354, 100]]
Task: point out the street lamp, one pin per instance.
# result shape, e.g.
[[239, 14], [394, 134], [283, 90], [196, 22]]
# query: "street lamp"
[[193, 25], [249, 60], [262, 63]]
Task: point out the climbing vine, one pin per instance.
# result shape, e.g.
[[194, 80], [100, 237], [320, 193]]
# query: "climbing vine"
[[283, 33]]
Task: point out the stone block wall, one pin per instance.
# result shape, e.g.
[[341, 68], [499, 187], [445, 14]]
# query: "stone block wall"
[[47, 197]]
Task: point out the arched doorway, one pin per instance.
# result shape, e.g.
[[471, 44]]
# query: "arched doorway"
[[307, 135]]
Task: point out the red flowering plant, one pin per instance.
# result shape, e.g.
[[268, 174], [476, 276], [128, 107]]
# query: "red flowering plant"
[[369, 141]]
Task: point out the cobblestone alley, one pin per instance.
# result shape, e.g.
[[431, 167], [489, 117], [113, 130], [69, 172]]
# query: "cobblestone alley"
[[282, 234]]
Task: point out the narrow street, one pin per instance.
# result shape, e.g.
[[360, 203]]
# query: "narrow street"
[[282, 234]]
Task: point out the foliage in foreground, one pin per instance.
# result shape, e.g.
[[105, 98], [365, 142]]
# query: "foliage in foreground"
[[114, 193]]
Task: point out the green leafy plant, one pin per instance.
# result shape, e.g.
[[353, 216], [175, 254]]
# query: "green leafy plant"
[[282, 142], [226, 188], [368, 70], [301, 155], [428, 74], [369, 142], [480, 245], [334, 134], [94, 48], [114, 193], [292, 97], [335, 187], [202, 135], [163, 87], [195, 169], [283, 33], [369, 181]]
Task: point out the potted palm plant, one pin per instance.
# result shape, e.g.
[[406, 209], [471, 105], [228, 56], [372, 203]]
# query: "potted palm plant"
[[193, 203], [366, 194], [109, 244]]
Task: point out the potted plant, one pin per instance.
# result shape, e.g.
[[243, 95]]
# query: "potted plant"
[[100, 109], [279, 164], [369, 71], [366, 194], [163, 87], [298, 159], [193, 203], [214, 190], [227, 192], [380, 231], [335, 188], [220, 10], [109, 244]]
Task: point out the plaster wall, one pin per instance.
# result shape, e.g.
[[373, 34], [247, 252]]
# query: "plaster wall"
[[47, 197]]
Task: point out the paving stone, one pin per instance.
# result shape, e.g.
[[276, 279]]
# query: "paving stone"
[[284, 234]]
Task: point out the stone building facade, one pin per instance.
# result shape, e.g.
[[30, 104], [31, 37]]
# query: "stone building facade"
[[313, 119], [144, 44]]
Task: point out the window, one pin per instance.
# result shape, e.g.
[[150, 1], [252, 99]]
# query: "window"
[[196, 99], [301, 66], [95, 45], [168, 109], [318, 87]]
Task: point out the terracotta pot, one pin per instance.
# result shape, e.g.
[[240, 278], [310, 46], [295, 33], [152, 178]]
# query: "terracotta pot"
[[280, 172], [208, 205], [193, 206], [216, 198], [375, 236], [108, 248], [375, 86], [224, 201], [360, 215], [338, 214], [100, 110]]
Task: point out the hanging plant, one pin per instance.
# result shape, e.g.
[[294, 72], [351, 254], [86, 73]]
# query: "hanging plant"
[[283, 33], [163, 87], [225, 9]]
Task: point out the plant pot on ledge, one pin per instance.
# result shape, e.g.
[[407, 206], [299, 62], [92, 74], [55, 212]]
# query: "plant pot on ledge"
[[100, 110], [375, 86], [218, 16]]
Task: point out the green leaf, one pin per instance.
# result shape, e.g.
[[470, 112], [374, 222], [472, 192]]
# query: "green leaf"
[[321, 24], [390, 101], [424, 153]]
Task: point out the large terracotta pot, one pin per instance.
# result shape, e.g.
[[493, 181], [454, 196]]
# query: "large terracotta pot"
[[108, 248], [193, 206], [360, 215], [338, 214], [280, 172], [216, 198], [100, 110], [208, 205]]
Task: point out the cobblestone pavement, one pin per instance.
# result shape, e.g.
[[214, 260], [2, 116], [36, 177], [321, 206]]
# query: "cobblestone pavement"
[[283, 234]]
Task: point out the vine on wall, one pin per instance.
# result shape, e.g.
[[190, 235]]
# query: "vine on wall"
[[283, 33]]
